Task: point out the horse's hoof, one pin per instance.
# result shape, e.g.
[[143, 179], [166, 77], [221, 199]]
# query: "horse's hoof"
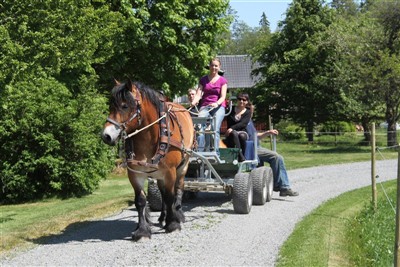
[[140, 235], [180, 216], [138, 238], [172, 227]]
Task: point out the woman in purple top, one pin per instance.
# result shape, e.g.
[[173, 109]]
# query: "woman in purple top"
[[211, 94]]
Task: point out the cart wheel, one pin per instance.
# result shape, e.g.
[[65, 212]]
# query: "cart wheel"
[[270, 183], [154, 196], [242, 196], [260, 189]]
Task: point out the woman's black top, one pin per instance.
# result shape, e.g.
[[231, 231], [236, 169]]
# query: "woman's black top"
[[241, 124]]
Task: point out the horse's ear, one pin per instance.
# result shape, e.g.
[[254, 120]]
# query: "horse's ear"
[[116, 82], [133, 88]]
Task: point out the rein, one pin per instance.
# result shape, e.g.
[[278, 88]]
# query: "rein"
[[196, 113], [148, 126]]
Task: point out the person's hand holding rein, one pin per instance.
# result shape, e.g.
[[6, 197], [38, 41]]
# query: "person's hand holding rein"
[[214, 105]]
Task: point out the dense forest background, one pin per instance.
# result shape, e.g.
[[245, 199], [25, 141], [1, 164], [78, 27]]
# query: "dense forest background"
[[325, 63]]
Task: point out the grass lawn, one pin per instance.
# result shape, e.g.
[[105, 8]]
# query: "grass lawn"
[[329, 236]]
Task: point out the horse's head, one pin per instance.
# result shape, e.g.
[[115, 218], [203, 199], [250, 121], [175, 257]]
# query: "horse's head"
[[124, 112]]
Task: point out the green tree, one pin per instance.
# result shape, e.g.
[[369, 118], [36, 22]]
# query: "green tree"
[[57, 60], [241, 40], [295, 69], [367, 65], [346, 8], [388, 15], [357, 69], [167, 43], [264, 22]]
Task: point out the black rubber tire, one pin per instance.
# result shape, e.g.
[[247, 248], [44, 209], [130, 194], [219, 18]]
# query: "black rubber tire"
[[242, 196], [260, 188], [270, 184], [154, 197]]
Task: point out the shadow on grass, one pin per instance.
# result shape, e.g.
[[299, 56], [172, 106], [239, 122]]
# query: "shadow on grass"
[[338, 150]]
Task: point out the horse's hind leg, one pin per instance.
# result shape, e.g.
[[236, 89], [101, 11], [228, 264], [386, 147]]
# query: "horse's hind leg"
[[178, 200], [161, 187]]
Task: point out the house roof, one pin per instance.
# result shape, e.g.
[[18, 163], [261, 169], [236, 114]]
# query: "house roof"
[[237, 70]]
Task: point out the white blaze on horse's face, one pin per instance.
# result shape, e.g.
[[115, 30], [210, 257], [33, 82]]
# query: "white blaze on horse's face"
[[111, 134]]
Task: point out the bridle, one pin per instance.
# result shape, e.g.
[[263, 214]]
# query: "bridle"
[[131, 118]]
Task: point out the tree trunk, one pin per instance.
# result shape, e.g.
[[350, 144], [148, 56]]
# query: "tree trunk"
[[392, 111], [391, 134], [367, 130], [310, 131]]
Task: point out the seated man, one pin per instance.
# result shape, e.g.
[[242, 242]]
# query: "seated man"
[[281, 179]]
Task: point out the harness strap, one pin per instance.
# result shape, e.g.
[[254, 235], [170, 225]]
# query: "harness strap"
[[143, 164], [165, 134]]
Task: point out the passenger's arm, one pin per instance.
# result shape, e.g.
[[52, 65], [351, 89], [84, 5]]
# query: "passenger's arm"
[[197, 96]]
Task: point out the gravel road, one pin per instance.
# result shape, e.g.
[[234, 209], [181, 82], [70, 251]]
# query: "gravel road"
[[212, 235]]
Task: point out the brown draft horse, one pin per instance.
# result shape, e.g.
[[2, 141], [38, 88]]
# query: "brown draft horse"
[[158, 140]]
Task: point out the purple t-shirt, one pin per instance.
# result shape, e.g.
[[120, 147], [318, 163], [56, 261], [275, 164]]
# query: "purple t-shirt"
[[212, 91]]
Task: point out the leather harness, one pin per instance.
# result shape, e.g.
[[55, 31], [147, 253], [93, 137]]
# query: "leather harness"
[[168, 117]]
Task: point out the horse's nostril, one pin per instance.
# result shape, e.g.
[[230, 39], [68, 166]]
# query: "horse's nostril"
[[106, 138]]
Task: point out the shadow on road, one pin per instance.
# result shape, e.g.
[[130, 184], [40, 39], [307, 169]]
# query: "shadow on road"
[[121, 226]]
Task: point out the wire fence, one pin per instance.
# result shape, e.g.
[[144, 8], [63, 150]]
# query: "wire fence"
[[335, 138], [379, 150]]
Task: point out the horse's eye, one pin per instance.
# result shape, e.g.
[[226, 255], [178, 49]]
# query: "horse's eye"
[[124, 106]]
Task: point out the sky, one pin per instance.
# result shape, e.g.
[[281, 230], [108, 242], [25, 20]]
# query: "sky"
[[250, 11]]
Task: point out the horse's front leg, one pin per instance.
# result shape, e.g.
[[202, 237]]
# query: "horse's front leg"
[[143, 229], [174, 217]]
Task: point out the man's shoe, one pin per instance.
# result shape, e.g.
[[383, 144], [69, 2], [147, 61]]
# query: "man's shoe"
[[277, 189], [288, 192]]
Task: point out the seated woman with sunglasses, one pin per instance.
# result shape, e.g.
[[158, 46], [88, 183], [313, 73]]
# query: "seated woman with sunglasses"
[[237, 121]]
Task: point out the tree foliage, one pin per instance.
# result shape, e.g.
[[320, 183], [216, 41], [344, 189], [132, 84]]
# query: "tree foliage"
[[357, 71], [243, 39], [388, 16], [57, 60], [334, 63], [168, 43], [367, 65], [295, 68]]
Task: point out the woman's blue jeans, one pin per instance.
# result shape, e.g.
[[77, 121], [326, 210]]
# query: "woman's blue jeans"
[[205, 140]]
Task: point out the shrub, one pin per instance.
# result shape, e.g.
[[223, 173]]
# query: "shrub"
[[290, 131], [50, 141], [339, 127]]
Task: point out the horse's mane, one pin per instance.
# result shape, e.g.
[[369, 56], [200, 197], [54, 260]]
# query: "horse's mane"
[[121, 93]]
